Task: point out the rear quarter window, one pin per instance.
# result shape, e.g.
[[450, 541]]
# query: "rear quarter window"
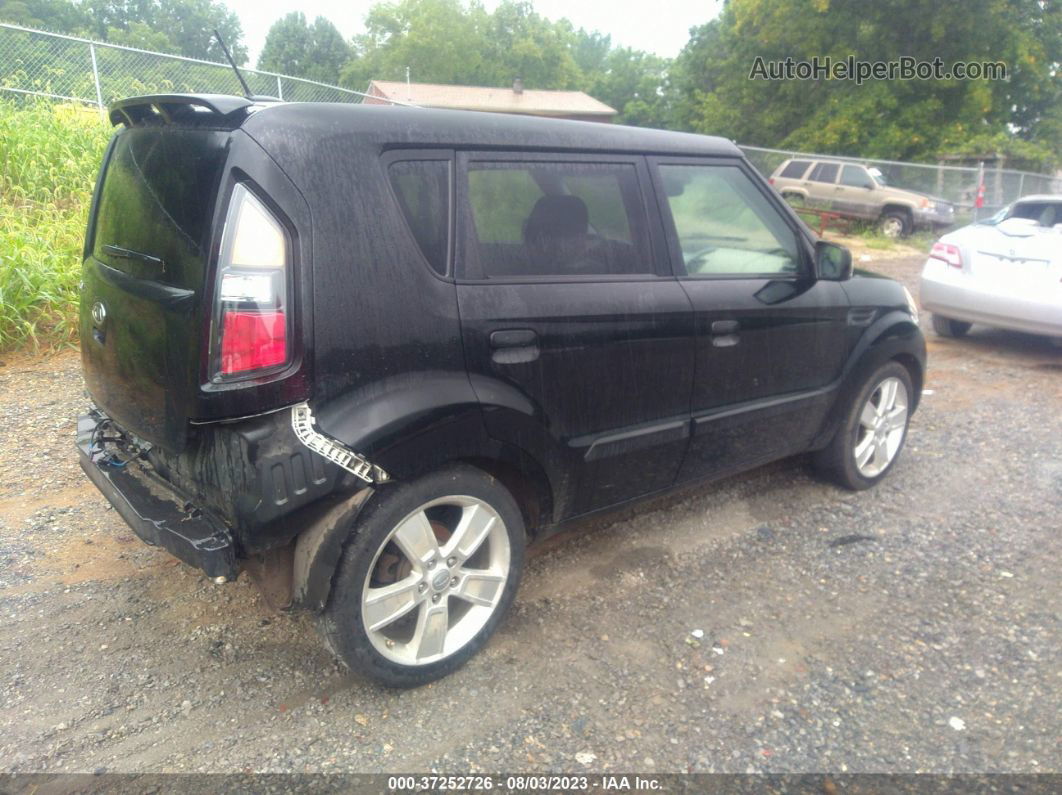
[[422, 188]]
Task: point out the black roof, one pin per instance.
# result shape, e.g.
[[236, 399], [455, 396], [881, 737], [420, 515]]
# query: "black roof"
[[386, 125]]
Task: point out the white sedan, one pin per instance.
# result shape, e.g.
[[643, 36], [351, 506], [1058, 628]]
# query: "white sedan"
[[1005, 272]]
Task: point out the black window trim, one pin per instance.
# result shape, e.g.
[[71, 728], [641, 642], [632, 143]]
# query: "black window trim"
[[655, 247], [774, 199], [392, 156]]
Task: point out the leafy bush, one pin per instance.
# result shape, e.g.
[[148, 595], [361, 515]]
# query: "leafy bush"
[[49, 156]]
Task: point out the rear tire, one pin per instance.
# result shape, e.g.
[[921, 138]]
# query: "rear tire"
[[430, 571], [873, 431], [946, 327], [894, 224]]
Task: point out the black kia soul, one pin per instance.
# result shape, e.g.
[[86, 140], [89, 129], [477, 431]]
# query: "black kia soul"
[[367, 353]]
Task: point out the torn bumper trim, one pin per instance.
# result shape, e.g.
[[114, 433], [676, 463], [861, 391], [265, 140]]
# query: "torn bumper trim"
[[337, 453]]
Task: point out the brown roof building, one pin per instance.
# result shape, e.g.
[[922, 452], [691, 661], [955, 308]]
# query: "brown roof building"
[[554, 104]]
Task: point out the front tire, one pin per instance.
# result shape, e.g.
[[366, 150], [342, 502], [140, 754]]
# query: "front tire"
[[432, 568], [873, 432], [946, 327], [894, 224]]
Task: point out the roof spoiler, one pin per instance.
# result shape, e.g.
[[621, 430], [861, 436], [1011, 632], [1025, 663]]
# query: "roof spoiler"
[[164, 107]]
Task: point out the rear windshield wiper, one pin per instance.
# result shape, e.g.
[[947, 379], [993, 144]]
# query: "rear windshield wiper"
[[128, 253]]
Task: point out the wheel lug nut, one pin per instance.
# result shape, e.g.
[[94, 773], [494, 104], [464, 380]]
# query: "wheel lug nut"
[[435, 598], [453, 583], [451, 561], [422, 587], [431, 563]]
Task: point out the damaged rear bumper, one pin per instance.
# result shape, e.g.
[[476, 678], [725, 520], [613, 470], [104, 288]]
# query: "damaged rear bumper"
[[158, 513]]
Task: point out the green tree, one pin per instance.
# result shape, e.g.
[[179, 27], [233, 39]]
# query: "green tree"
[[635, 83], [59, 16], [187, 24], [294, 47], [886, 118]]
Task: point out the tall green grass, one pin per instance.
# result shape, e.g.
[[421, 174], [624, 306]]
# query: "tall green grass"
[[49, 156]]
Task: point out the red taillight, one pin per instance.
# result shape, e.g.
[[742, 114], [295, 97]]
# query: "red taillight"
[[252, 341], [948, 253], [252, 290], [770, 180]]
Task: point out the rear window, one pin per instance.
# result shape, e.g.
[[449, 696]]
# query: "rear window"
[[423, 191], [824, 172], [153, 213], [795, 169]]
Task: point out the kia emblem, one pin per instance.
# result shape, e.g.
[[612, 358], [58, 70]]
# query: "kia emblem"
[[99, 313]]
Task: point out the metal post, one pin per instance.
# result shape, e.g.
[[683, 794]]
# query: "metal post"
[[1021, 185], [96, 78], [280, 90]]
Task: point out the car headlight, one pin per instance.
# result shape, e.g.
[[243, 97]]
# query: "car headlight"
[[912, 307]]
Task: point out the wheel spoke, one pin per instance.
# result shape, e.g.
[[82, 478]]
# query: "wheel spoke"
[[864, 450], [479, 587], [868, 415], [473, 527], [897, 418], [385, 605], [888, 396], [416, 539], [881, 455], [429, 637]]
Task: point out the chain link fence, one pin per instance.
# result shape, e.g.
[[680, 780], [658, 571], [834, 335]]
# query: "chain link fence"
[[956, 184], [36, 63]]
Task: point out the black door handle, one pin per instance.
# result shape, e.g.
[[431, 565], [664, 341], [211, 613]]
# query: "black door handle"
[[724, 326], [513, 338]]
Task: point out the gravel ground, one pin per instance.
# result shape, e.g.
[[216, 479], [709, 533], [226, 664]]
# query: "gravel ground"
[[911, 628]]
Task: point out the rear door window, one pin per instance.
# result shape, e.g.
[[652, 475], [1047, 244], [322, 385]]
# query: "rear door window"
[[544, 219], [422, 188], [795, 169], [824, 172]]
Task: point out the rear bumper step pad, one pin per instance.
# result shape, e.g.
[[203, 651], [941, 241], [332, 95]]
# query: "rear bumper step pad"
[[155, 511]]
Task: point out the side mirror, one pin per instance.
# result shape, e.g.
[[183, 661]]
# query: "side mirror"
[[833, 263]]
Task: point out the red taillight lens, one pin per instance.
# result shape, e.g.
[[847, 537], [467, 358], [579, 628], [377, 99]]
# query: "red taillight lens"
[[948, 253], [252, 341], [252, 290]]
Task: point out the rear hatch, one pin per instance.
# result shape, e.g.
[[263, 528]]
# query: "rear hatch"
[[144, 273]]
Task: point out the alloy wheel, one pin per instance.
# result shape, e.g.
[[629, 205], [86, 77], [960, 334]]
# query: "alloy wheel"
[[882, 424], [436, 580], [892, 227]]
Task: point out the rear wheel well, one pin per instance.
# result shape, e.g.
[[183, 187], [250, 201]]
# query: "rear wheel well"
[[530, 490], [914, 369]]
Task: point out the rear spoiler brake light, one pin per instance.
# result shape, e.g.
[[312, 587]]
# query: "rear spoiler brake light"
[[164, 107]]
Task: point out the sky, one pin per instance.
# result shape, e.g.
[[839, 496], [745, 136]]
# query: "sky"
[[661, 28]]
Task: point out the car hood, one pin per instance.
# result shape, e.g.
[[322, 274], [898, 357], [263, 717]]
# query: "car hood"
[[915, 196]]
